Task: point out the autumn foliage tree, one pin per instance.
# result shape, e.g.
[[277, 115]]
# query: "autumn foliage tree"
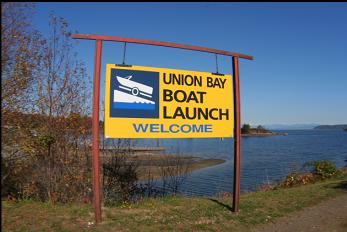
[[45, 99], [62, 95], [20, 56]]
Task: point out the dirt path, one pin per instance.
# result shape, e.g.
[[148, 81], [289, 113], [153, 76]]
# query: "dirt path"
[[328, 216]]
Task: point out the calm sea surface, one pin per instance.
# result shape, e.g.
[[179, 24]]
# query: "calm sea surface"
[[263, 159]]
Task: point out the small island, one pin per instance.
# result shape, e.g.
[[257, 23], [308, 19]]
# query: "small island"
[[246, 130]]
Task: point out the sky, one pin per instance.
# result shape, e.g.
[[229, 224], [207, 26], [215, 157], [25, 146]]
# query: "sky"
[[298, 76]]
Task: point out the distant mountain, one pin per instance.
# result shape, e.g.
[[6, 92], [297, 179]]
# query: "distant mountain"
[[307, 126], [331, 127]]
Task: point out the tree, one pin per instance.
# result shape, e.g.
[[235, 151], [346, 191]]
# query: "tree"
[[20, 55], [45, 98], [20, 58], [62, 84], [245, 128], [63, 97]]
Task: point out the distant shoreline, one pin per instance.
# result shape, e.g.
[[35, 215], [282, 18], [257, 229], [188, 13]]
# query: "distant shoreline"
[[331, 127], [259, 131], [264, 134]]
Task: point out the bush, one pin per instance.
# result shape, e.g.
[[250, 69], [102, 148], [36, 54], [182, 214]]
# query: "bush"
[[320, 169], [295, 179], [323, 168], [119, 179]]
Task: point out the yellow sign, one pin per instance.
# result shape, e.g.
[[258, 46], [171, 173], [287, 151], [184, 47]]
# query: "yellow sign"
[[148, 102]]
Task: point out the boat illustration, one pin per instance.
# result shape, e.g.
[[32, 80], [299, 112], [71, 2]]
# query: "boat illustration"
[[130, 98], [134, 87]]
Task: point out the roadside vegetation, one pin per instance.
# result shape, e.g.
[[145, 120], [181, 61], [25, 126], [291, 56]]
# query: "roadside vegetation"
[[172, 212]]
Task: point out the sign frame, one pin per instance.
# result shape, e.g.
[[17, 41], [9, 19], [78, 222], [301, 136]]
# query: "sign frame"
[[96, 107]]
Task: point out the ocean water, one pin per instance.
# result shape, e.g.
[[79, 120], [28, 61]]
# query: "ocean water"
[[263, 159]]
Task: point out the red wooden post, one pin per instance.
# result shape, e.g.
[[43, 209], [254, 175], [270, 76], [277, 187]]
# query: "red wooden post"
[[237, 134], [95, 126]]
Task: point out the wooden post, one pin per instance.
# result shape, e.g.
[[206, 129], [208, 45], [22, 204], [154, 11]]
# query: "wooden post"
[[237, 134], [95, 127]]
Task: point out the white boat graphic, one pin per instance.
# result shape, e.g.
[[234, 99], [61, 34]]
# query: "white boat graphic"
[[120, 96], [132, 94], [134, 87]]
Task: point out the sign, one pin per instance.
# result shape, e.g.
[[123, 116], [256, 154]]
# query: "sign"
[[149, 102]]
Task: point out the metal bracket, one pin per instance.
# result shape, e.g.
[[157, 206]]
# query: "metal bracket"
[[123, 65]]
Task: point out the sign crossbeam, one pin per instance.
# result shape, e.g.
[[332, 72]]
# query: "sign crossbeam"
[[162, 44], [96, 96]]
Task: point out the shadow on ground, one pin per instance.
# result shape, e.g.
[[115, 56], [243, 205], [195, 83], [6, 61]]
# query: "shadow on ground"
[[342, 185], [221, 203]]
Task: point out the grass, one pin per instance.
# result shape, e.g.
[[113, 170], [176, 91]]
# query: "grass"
[[170, 213]]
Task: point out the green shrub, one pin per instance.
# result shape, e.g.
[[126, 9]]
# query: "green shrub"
[[46, 140], [320, 169], [323, 168]]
